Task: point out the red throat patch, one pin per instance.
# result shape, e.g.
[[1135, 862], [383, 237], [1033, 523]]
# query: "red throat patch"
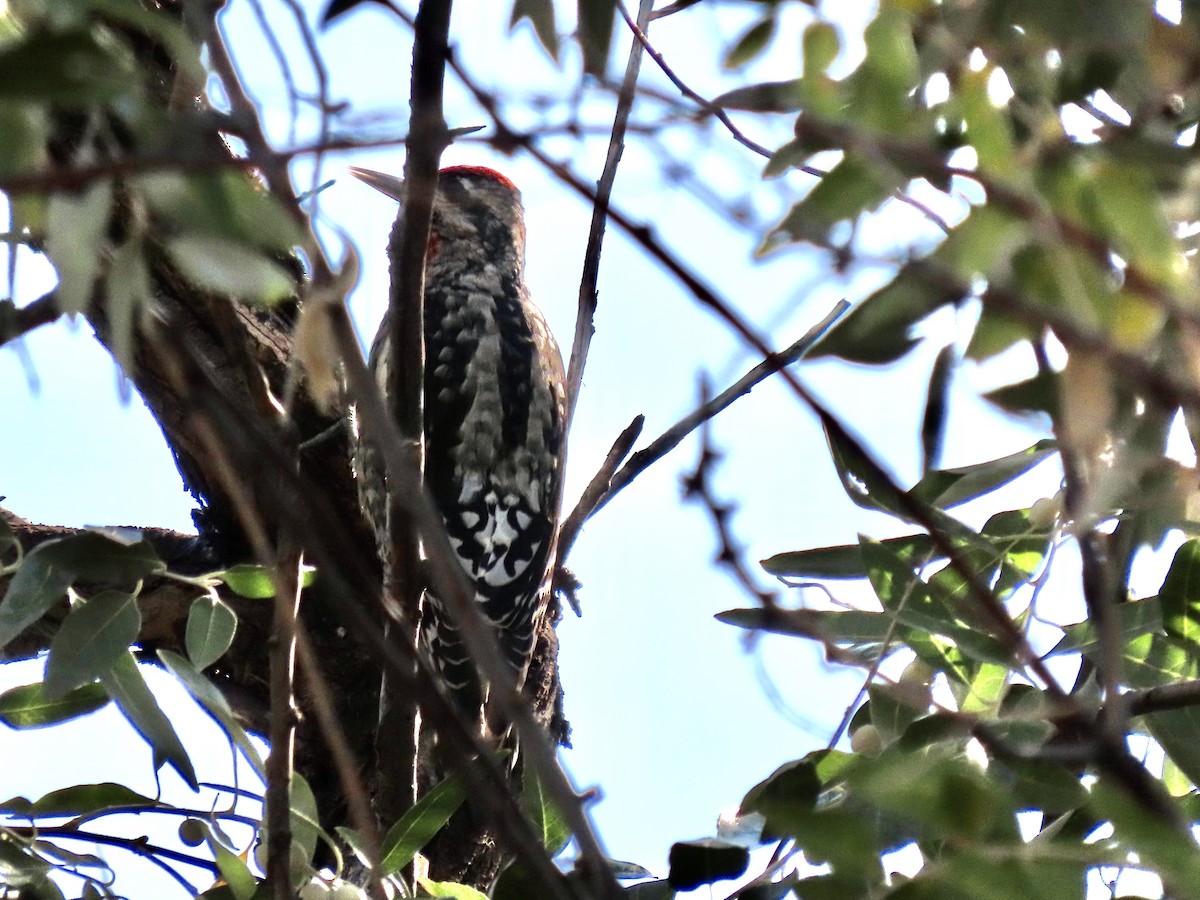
[[431, 248]]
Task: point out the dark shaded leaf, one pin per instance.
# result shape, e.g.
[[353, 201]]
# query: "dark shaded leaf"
[[933, 423], [90, 640], [696, 863], [73, 69], [27, 706], [877, 329]]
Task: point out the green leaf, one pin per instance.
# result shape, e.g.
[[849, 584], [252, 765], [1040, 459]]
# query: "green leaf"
[[548, 823], [877, 330], [27, 706], [230, 269], [945, 796], [651, 890], [696, 863], [249, 581], [908, 598], [221, 205], [950, 487], [769, 96], [90, 640], [305, 820], [211, 626], [540, 14], [853, 187], [1178, 731], [1180, 593], [214, 703], [36, 587], [845, 560], [84, 799], [448, 889], [860, 631], [236, 874], [73, 69], [596, 18], [1038, 394], [128, 689], [418, 826], [1153, 837], [53, 566], [1133, 620], [751, 44], [255, 583], [821, 47], [76, 238], [24, 131]]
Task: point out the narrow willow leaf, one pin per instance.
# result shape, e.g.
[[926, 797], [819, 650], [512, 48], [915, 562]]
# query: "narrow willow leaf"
[[540, 809], [90, 640], [214, 703], [933, 423], [878, 329], [211, 626], [950, 487], [82, 799], [845, 560], [752, 43], [27, 706], [418, 826], [540, 14], [127, 686]]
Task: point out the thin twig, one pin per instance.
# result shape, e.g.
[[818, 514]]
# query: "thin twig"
[[673, 436], [588, 285], [707, 105], [18, 321], [597, 488], [282, 660], [348, 770]]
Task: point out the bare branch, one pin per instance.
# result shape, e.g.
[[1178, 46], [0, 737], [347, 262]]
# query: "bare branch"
[[588, 291]]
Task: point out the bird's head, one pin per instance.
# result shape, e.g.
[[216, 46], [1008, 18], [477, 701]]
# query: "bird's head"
[[473, 203]]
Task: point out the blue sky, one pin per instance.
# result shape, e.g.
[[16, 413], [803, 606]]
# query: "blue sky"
[[669, 713]]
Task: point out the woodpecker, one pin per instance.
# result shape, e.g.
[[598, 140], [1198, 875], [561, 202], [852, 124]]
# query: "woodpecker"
[[494, 419]]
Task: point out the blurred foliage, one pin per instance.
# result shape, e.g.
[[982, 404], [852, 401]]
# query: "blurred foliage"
[[1067, 132]]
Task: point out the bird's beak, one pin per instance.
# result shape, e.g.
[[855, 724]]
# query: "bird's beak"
[[391, 185]]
